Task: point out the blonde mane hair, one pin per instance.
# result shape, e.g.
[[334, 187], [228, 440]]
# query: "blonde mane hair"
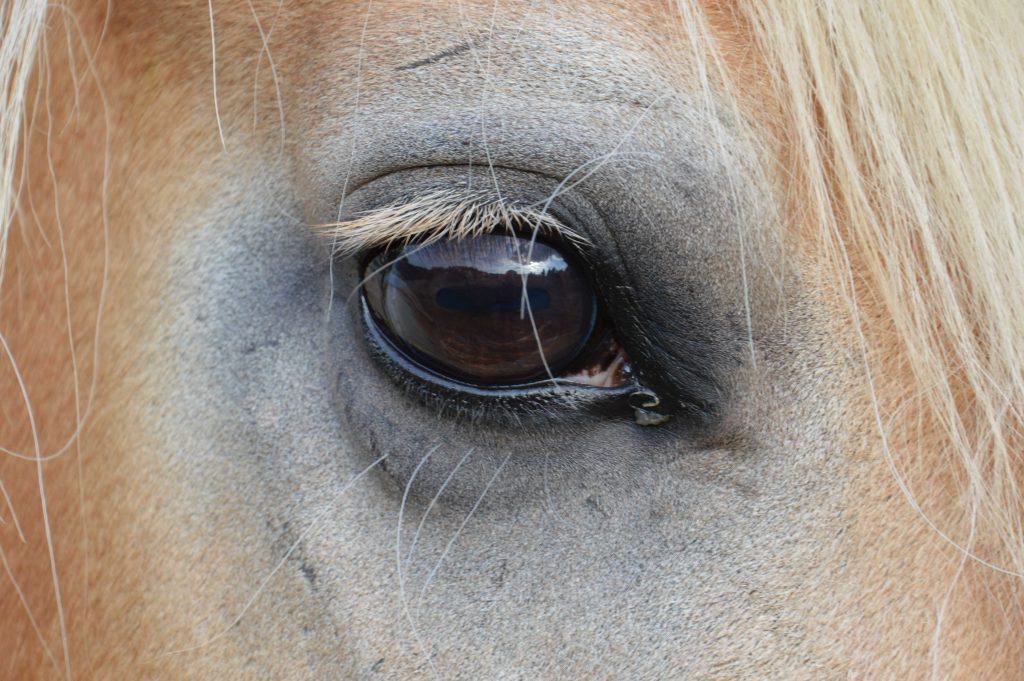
[[21, 30], [906, 126], [905, 123]]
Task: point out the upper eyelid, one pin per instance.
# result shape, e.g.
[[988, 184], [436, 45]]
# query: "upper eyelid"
[[437, 215]]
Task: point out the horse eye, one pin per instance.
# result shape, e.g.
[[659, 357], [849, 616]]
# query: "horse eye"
[[492, 310]]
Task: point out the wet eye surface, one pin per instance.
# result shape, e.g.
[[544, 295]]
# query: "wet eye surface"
[[493, 310]]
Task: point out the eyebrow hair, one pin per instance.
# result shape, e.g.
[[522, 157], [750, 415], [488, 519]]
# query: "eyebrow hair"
[[440, 215]]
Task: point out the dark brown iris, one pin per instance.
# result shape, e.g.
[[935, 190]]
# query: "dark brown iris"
[[486, 310]]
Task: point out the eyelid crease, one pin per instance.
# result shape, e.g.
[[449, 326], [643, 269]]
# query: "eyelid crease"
[[439, 215]]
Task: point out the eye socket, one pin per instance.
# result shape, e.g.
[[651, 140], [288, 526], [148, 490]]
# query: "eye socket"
[[459, 309]]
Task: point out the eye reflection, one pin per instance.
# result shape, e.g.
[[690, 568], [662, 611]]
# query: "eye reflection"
[[460, 309]]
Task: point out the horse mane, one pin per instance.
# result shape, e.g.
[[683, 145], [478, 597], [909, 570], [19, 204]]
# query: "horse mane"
[[903, 122], [21, 30]]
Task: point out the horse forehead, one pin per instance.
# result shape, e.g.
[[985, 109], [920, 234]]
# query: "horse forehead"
[[416, 22], [554, 45]]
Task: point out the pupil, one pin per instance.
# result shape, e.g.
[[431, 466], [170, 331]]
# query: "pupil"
[[501, 298], [460, 307]]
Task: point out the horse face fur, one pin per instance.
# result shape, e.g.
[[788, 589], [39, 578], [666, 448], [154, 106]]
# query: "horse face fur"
[[238, 410]]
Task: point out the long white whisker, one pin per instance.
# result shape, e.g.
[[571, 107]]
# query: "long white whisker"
[[105, 221], [28, 610], [536, 336], [213, 70], [465, 521], [352, 149], [564, 186], [398, 560], [265, 38], [430, 506], [41, 483], [14, 516], [378, 270], [65, 268]]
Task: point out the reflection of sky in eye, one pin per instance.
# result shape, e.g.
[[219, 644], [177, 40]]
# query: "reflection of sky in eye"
[[490, 253], [552, 263]]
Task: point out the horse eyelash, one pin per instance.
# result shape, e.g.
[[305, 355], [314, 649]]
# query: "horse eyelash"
[[436, 216]]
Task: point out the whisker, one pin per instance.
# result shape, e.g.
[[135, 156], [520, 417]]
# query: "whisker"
[[41, 484], [465, 521], [265, 38], [352, 149], [526, 309], [362, 282], [28, 610], [430, 506], [76, 384], [213, 70], [104, 279], [14, 516], [398, 559]]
